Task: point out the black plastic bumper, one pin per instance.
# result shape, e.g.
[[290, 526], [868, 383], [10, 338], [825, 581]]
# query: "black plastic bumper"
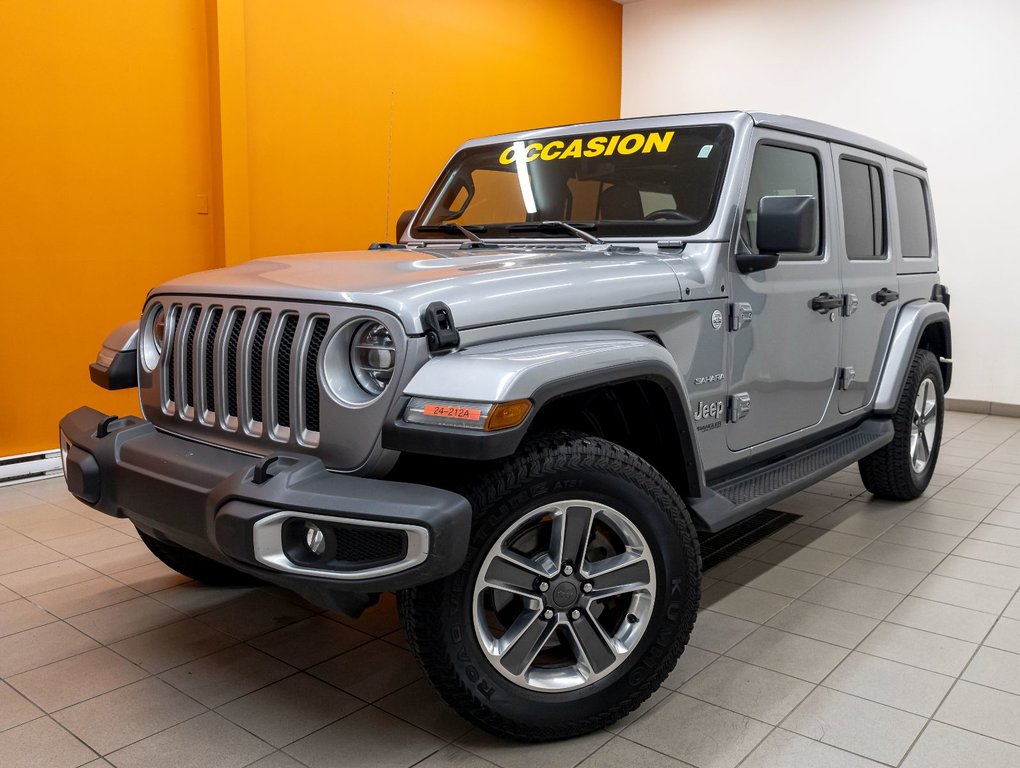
[[208, 500]]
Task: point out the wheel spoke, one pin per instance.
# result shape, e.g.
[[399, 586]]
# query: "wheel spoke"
[[923, 450], [618, 575], [592, 646], [929, 408], [571, 530], [513, 573], [919, 400], [524, 639]]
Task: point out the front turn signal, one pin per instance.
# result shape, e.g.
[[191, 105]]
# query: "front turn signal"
[[507, 415]]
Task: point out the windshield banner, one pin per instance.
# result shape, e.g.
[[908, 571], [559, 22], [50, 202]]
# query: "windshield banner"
[[590, 146]]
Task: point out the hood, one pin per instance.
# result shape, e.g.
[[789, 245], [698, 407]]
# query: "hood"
[[480, 287]]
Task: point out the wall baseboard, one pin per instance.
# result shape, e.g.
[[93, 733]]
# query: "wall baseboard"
[[985, 407], [29, 466]]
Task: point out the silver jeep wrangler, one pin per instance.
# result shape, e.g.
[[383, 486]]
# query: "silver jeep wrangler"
[[591, 345]]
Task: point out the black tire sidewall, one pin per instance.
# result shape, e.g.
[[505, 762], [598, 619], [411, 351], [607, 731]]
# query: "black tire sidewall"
[[928, 368], [659, 527]]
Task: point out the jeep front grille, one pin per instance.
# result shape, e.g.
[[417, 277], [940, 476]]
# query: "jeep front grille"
[[234, 369]]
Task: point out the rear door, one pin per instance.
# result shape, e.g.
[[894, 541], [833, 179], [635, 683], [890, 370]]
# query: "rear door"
[[784, 360], [870, 286]]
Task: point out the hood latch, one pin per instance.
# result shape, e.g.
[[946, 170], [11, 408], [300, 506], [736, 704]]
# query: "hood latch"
[[440, 331]]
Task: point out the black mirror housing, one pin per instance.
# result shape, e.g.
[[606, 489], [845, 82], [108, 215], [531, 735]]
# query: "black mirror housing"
[[403, 220], [787, 224]]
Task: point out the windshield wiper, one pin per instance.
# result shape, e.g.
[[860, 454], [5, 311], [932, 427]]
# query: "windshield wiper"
[[543, 225], [468, 232]]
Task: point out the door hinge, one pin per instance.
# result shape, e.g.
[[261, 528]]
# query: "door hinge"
[[850, 304], [739, 406], [846, 377], [740, 315]]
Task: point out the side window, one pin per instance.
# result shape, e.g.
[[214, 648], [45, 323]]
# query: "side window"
[[860, 186], [915, 225], [781, 171]]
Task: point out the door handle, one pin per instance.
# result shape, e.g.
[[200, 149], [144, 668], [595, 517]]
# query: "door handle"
[[826, 302], [884, 296]]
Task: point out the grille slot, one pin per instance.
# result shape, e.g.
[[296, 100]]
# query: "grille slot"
[[312, 374], [210, 359], [235, 335], [170, 396], [283, 370], [189, 359], [257, 351]]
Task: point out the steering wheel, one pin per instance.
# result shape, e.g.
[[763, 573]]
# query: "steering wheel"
[[667, 213]]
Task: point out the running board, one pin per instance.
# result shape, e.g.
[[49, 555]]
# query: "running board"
[[736, 497]]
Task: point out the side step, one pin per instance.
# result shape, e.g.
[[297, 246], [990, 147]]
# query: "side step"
[[737, 497]]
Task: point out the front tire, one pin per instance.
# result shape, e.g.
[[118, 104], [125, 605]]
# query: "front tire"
[[902, 469], [577, 596]]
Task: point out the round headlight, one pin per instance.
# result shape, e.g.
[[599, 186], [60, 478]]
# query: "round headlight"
[[373, 355], [159, 329]]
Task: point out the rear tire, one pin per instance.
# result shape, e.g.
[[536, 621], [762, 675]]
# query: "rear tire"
[[583, 555], [197, 567], [902, 469]]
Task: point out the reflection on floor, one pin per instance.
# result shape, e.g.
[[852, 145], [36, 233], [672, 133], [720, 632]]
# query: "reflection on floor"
[[864, 633]]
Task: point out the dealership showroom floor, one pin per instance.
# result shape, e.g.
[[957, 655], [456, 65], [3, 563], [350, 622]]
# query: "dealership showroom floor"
[[863, 633]]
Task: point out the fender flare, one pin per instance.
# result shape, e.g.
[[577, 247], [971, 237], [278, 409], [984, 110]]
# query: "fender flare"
[[911, 323], [542, 369]]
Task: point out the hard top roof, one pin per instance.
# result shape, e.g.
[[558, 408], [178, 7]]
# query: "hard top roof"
[[787, 123]]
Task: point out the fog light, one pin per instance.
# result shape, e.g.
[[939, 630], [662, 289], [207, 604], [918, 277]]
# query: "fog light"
[[315, 539]]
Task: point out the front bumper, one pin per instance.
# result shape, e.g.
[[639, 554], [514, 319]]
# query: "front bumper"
[[238, 509]]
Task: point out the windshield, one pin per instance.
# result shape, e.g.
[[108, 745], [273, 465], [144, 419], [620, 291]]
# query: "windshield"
[[642, 183]]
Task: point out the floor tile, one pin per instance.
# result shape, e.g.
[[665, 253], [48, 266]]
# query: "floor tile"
[[898, 555], [1013, 609], [193, 598], [151, 578], [19, 615], [995, 668], [421, 706], [942, 619], [223, 676], [808, 559], [943, 746], [998, 534], [992, 574], [72, 680], [277, 760], [933, 541], [937, 653], [1005, 635], [86, 596], [718, 632], [748, 690], [784, 749], [116, 559], [863, 727], [947, 508], [42, 645], [774, 578], [42, 744], [891, 683], [27, 556], [43, 578], [965, 594], [794, 655], [830, 541], [379, 620], [370, 671], [982, 710], [711, 737], [358, 734], [743, 602], [690, 663], [172, 645], [93, 539], [657, 697], [15, 709], [290, 709], [204, 741], [888, 577], [1001, 554], [822, 623], [620, 752], [853, 598], [252, 614], [132, 617], [1004, 518], [452, 757], [311, 641], [126, 715]]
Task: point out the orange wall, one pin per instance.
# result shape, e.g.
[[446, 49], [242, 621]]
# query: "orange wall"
[[104, 151], [310, 124], [354, 107]]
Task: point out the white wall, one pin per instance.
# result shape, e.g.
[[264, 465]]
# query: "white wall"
[[938, 79]]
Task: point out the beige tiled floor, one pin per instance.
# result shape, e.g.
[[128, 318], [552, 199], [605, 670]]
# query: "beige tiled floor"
[[865, 633]]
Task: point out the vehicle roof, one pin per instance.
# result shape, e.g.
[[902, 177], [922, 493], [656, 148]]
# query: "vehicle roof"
[[787, 123]]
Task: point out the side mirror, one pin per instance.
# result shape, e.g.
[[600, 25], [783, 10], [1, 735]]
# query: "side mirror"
[[402, 221], [786, 224]]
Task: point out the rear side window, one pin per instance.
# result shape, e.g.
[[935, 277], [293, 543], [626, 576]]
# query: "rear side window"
[[780, 171], [860, 186], [915, 223]]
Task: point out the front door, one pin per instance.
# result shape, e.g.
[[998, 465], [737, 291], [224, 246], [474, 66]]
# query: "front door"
[[869, 273], [784, 361]]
